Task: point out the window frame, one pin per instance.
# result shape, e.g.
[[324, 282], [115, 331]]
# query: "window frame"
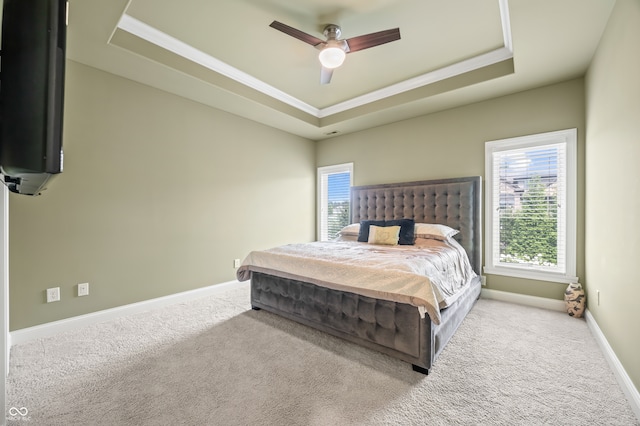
[[322, 199], [492, 265]]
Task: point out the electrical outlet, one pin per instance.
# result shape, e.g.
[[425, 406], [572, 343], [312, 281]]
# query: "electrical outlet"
[[236, 263], [53, 294], [83, 289], [483, 280]]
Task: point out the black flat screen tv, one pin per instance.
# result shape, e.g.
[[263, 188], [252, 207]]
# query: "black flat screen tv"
[[32, 78]]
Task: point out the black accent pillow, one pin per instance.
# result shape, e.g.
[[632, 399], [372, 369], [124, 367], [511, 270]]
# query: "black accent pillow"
[[407, 228], [363, 235]]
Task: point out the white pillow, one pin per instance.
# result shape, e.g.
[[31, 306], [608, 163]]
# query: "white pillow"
[[353, 229], [434, 231], [346, 238], [387, 235]]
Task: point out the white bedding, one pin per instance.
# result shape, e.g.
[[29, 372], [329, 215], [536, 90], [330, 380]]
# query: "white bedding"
[[428, 275]]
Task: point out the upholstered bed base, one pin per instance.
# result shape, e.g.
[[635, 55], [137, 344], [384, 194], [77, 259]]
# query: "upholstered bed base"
[[394, 329]]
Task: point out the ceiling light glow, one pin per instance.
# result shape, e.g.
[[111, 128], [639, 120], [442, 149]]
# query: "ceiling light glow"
[[331, 57]]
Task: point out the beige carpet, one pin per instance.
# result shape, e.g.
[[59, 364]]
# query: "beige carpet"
[[215, 362]]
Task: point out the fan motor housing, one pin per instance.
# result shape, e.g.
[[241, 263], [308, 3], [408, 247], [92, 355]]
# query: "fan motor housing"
[[332, 32]]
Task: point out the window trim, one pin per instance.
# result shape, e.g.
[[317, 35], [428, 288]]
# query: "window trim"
[[325, 170], [569, 138]]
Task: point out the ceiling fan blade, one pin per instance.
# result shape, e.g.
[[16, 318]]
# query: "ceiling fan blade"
[[307, 38], [374, 39], [325, 75]]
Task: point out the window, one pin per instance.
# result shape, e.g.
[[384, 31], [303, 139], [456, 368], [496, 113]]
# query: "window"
[[334, 198], [531, 206]]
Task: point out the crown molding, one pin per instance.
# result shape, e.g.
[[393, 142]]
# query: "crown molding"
[[440, 74], [178, 47], [172, 44]]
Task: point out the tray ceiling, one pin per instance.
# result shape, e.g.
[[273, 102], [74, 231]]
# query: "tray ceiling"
[[224, 54]]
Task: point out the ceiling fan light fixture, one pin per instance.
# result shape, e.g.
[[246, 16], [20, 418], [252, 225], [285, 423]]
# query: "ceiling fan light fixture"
[[332, 56], [334, 49]]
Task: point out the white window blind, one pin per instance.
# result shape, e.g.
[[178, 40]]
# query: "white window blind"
[[531, 206], [334, 199]]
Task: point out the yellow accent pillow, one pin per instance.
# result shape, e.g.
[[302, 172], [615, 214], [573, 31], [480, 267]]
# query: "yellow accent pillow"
[[387, 235]]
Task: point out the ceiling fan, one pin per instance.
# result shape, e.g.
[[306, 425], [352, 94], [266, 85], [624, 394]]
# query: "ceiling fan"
[[333, 50]]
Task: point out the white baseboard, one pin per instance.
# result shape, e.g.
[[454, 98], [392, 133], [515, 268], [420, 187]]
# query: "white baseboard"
[[523, 299], [623, 379], [630, 391], [55, 327]]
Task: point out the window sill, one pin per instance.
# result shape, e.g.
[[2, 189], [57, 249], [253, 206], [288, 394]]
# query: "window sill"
[[530, 274]]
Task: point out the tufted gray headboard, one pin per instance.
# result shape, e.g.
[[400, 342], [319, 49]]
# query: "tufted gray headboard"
[[453, 202]]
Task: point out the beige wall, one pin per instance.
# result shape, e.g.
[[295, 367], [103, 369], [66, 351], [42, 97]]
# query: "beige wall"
[[451, 143], [159, 195], [613, 185]]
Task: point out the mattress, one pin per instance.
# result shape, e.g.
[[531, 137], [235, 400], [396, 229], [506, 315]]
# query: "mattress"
[[428, 275]]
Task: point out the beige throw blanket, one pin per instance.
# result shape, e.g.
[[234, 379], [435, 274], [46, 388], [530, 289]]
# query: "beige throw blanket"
[[428, 275]]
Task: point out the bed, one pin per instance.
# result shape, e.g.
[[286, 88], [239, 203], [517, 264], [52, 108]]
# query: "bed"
[[395, 324]]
